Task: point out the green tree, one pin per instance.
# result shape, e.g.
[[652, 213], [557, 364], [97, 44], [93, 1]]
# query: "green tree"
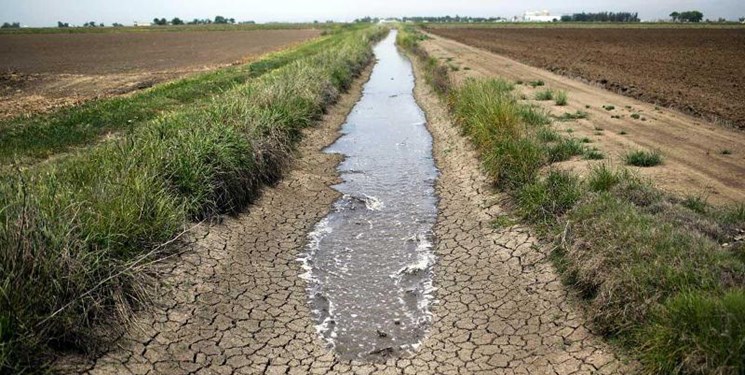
[[691, 16], [674, 16], [177, 21], [221, 20], [62, 24]]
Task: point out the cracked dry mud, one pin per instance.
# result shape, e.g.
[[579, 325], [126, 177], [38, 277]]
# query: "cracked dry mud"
[[234, 302]]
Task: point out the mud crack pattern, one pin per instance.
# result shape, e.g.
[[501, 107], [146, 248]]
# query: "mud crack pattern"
[[235, 303]]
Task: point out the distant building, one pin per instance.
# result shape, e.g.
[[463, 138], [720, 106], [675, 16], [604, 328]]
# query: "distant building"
[[542, 16], [142, 23]]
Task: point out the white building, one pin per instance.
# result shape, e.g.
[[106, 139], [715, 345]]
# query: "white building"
[[141, 23], [542, 16]]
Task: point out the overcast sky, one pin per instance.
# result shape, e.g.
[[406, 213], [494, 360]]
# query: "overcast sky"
[[48, 12]]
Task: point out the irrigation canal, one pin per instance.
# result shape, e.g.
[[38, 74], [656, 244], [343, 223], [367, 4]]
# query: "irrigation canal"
[[369, 261]]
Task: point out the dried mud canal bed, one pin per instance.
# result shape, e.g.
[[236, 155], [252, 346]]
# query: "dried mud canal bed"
[[361, 240], [698, 71], [43, 71]]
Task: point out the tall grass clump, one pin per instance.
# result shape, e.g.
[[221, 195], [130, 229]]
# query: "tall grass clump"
[[493, 119], [561, 98], [544, 95], [641, 158], [77, 233]]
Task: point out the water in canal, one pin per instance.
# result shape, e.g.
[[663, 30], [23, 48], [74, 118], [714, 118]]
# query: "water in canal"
[[369, 262]]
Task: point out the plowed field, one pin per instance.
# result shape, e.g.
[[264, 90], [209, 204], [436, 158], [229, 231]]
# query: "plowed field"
[[698, 71], [42, 71]]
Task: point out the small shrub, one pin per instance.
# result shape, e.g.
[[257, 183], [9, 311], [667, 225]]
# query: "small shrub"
[[609, 107], [544, 95], [726, 152], [642, 158], [585, 140], [635, 116], [561, 98], [623, 132]]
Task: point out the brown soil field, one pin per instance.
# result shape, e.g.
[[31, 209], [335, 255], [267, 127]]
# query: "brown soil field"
[[42, 71], [698, 71], [700, 158]]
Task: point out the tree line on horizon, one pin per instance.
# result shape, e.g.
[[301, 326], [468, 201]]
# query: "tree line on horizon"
[[602, 17], [220, 20], [687, 16]]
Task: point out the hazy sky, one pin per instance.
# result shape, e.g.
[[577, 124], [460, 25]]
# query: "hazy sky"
[[48, 12]]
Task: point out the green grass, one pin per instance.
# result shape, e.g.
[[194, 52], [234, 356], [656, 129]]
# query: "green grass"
[[593, 154], [561, 98], [77, 231], [572, 116], [26, 139], [564, 150], [544, 95], [681, 333], [641, 158], [650, 268], [536, 83]]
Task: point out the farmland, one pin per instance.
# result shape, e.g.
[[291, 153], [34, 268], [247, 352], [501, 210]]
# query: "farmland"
[[363, 198], [695, 70], [42, 71]]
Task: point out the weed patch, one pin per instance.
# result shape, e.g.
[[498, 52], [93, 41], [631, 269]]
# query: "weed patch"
[[642, 158]]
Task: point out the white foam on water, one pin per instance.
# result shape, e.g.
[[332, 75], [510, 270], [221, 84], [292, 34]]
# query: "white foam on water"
[[373, 203], [321, 230]]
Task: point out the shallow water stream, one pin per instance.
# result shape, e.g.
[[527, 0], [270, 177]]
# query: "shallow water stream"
[[369, 262]]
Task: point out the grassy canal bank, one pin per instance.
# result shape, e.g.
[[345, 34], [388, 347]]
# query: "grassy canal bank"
[[661, 276], [79, 231]]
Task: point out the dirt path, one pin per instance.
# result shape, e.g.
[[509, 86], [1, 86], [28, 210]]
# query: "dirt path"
[[700, 158], [235, 302]]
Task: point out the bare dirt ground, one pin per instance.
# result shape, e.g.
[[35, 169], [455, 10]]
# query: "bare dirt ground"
[[696, 70], [234, 301], [39, 72], [700, 158]]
